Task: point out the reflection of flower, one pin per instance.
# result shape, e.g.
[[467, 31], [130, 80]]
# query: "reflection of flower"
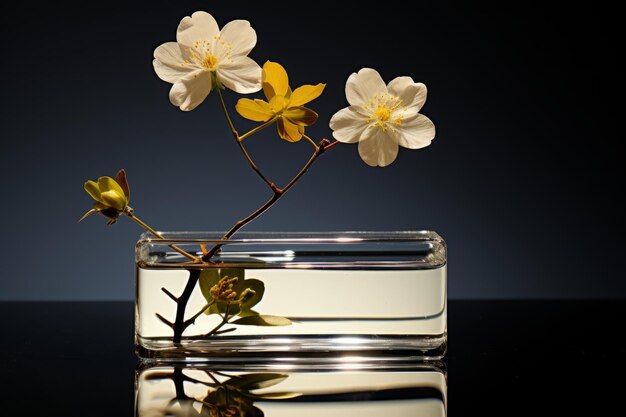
[[111, 195], [381, 117], [203, 55], [282, 104], [228, 402]]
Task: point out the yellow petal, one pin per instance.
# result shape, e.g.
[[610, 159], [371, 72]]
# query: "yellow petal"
[[111, 193], [306, 93], [257, 110], [99, 207], [114, 200], [109, 184], [274, 79], [278, 103], [300, 115], [92, 188], [120, 178], [289, 131]]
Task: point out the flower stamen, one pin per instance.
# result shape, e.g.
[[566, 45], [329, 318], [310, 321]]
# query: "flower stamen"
[[382, 113], [384, 110], [209, 62]]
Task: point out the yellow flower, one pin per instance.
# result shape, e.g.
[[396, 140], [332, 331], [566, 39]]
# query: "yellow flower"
[[282, 105], [111, 195]]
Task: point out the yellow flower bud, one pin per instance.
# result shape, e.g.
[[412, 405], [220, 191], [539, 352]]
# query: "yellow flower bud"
[[223, 290], [112, 196], [246, 295]]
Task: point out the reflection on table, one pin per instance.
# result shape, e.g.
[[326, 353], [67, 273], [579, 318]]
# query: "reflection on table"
[[253, 391]]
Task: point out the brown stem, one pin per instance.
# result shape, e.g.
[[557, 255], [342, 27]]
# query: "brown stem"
[[136, 219], [239, 139], [169, 294], [278, 193], [179, 323], [193, 318], [219, 326], [178, 377]]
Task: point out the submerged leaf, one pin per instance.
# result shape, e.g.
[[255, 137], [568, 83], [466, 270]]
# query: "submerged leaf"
[[275, 395], [255, 285], [255, 381], [208, 278], [263, 320]]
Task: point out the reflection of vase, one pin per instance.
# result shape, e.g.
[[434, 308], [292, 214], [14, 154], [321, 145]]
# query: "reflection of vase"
[[249, 391], [372, 294]]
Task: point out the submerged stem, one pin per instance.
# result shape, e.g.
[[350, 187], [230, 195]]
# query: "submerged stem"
[[219, 326], [179, 324], [193, 318]]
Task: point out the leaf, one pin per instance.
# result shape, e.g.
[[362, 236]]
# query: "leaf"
[[275, 395], [208, 278], [254, 284], [255, 381], [247, 313], [263, 320]]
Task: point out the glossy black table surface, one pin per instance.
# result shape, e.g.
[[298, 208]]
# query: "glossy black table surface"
[[505, 358]]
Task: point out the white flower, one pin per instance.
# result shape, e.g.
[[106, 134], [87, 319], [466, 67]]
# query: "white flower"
[[201, 50], [381, 117]]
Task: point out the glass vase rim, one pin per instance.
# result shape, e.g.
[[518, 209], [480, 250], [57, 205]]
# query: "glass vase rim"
[[342, 236]]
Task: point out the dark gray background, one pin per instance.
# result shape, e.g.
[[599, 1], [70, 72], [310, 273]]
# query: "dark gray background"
[[522, 180]]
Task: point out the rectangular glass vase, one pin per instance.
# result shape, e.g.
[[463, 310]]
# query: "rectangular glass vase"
[[292, 296]]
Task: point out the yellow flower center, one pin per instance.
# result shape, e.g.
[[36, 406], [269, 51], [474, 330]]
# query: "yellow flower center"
[[385, 111], [209, 62], [204, 54], [382, 113]]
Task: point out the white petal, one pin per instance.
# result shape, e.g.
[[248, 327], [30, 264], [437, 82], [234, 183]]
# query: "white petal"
[[363, 86], [413, 94], [416, 132], [190, 91], [241, 75], [347, 125], [168, 61], [377, 147], [201, 26], [239, 36]]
